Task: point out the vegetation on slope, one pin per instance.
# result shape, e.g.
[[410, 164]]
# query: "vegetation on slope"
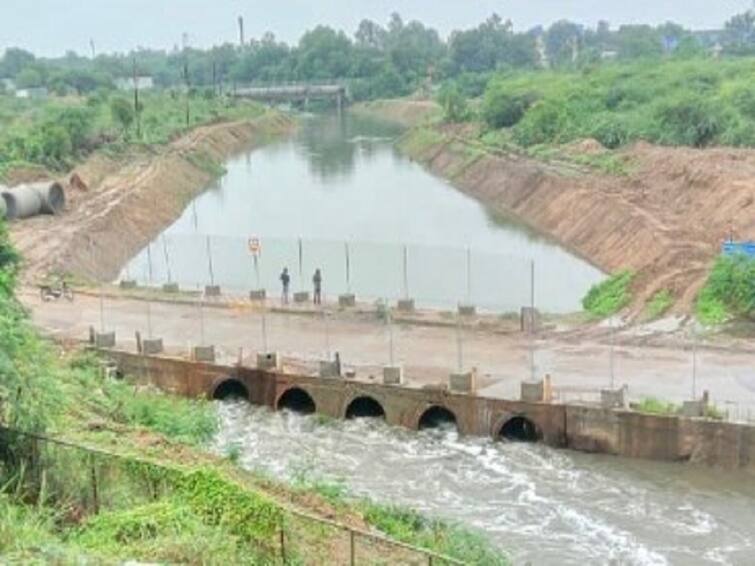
[[56, 133], [729, 292], [610, 296]]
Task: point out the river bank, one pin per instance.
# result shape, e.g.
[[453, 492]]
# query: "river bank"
[[662, 214], [126, 200]]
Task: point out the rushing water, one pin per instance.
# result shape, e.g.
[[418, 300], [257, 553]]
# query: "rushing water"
[[540, 505], [341, 180]]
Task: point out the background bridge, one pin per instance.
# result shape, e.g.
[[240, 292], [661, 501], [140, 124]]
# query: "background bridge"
[[297, 92]]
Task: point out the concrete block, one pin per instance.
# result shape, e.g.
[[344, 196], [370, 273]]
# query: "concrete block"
[[467, 310], [268, 361], [537, 391], [204, 354], [104, 339], [258, 295], [697, 408], [347, 300], [301, 297], [465, 382], [615, 398], [170, 288], [152, 346], [393, 375], [529, 320], [405, 305], [329, 369], [128, 284], [212, 291]]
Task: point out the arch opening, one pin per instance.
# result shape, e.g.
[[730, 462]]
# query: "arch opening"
[[231, 389], [365, 407], [437, 417], [298, 401], [519, 429]]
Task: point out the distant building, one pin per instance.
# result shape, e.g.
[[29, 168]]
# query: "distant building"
[[35, 93], [609, 55], [8, 85], [127, 83]]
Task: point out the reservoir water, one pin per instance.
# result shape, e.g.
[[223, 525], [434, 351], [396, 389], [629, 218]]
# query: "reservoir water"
[[542, 506], [375, 222]]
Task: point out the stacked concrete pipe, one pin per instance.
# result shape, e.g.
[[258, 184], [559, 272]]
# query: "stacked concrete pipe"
[[32, 199]]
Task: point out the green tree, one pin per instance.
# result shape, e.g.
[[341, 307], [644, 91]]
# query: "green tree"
[[454, 104], [28, 78], [562, 42], [122, 112]]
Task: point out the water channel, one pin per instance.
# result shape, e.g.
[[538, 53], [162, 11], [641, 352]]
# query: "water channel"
[[542, 506], [376, 223]]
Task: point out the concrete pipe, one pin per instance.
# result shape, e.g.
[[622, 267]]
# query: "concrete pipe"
[[22, 202], [52, 195]]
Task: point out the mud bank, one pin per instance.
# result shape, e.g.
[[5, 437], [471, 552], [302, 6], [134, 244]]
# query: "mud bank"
[[126, 201], [665, 218]]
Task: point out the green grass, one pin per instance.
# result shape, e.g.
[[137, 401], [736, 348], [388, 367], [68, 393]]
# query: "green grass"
[[610, 296], [729, 292], [654, 406], [659, 304], [698, 102]]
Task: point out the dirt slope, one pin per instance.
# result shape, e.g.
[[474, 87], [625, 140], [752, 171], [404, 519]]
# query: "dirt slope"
[[130, 200], [665, 219]]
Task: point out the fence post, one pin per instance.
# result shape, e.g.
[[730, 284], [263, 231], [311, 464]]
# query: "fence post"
[[348, 267], [532, 284], [209, 261], [301, 264], [469, 275], [95, 495], [150, 279], [612, 361], [406, 272], [167, 259], [351, 543], [283, 541]]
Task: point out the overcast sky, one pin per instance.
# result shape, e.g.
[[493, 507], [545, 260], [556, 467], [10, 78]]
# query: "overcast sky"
[[50, 27]]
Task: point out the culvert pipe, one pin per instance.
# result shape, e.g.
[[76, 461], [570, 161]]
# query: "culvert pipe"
[[29, 200]]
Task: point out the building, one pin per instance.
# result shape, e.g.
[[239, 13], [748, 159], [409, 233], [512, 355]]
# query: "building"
[[33, 93], [142, 83]]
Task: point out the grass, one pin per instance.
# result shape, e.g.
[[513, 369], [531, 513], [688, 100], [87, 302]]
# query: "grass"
[[420, 139], [654, 406], [659, 304], [729, 292], [610, 296]]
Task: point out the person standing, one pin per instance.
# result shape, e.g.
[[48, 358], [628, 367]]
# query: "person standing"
[[317, 283], [286, 283]]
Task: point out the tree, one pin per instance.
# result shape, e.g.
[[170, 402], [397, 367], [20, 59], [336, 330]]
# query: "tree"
[[454, 104], [29, 78], [324, 53], [562, 41], [371, 35], [14, 61], [638, 42], [739, 32], [122, 112]]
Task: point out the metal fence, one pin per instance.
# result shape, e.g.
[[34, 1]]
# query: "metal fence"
[[435, 277], [85, 481]]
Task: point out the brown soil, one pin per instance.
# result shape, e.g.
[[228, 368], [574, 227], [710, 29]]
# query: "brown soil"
[[665, 219], [125, 202], [406, 112]]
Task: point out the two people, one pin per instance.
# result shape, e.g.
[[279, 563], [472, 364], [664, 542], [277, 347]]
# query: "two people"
[[285, 278]]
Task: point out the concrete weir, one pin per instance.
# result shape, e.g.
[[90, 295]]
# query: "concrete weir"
[[616, 431]]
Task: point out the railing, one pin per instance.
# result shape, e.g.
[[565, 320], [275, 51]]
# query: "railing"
[[52, 466]]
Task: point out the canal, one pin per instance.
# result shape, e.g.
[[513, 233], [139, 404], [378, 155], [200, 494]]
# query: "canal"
[[542, 506], [338, 196]]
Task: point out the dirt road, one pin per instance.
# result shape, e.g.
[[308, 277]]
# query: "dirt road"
[[578, 369]]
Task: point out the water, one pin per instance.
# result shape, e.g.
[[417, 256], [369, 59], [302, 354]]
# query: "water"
[[539, 504], [341, 180]]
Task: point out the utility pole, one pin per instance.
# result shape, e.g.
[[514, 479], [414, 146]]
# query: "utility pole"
[[241, 31], [188, 90], [91, 46], [137, 112]]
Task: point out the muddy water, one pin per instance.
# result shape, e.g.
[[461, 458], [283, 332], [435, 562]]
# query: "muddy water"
[[341, 180], [541, 505]]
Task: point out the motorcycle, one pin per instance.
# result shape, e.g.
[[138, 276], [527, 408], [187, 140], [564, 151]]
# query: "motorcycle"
[[54, 292]]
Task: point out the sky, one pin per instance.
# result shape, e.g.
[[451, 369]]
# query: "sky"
[[51, 27]]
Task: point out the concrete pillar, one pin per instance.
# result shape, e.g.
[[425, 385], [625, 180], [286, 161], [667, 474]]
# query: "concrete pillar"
[[347, 300], [204, 354], [615, 398], [329, 368], [104, 339], [405, 305], [212, 291], [152, 346], [393, 375], [463, 382], [269, 361], [537, 391], [258, 295], [697, 408]]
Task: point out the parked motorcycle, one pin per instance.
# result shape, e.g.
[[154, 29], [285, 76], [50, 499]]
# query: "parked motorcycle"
[[54, 292]]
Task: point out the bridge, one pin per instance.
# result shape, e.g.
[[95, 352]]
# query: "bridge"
[[297, 92]]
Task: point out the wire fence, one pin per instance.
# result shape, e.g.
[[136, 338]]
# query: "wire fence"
[[434, 276], [82, 482]]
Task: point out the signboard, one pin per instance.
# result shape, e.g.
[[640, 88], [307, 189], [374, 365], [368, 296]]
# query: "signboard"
[[255, 246]]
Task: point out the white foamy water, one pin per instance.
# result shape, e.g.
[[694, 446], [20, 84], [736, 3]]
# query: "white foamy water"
[[540, 505]]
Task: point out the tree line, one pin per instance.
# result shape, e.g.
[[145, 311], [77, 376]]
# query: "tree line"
[[381, 60]]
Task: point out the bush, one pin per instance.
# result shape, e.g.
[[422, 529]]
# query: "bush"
[[729, 291], [689, 120], [654, 406], [610, 296], [661, 302], [502, 109], [454, 104]]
